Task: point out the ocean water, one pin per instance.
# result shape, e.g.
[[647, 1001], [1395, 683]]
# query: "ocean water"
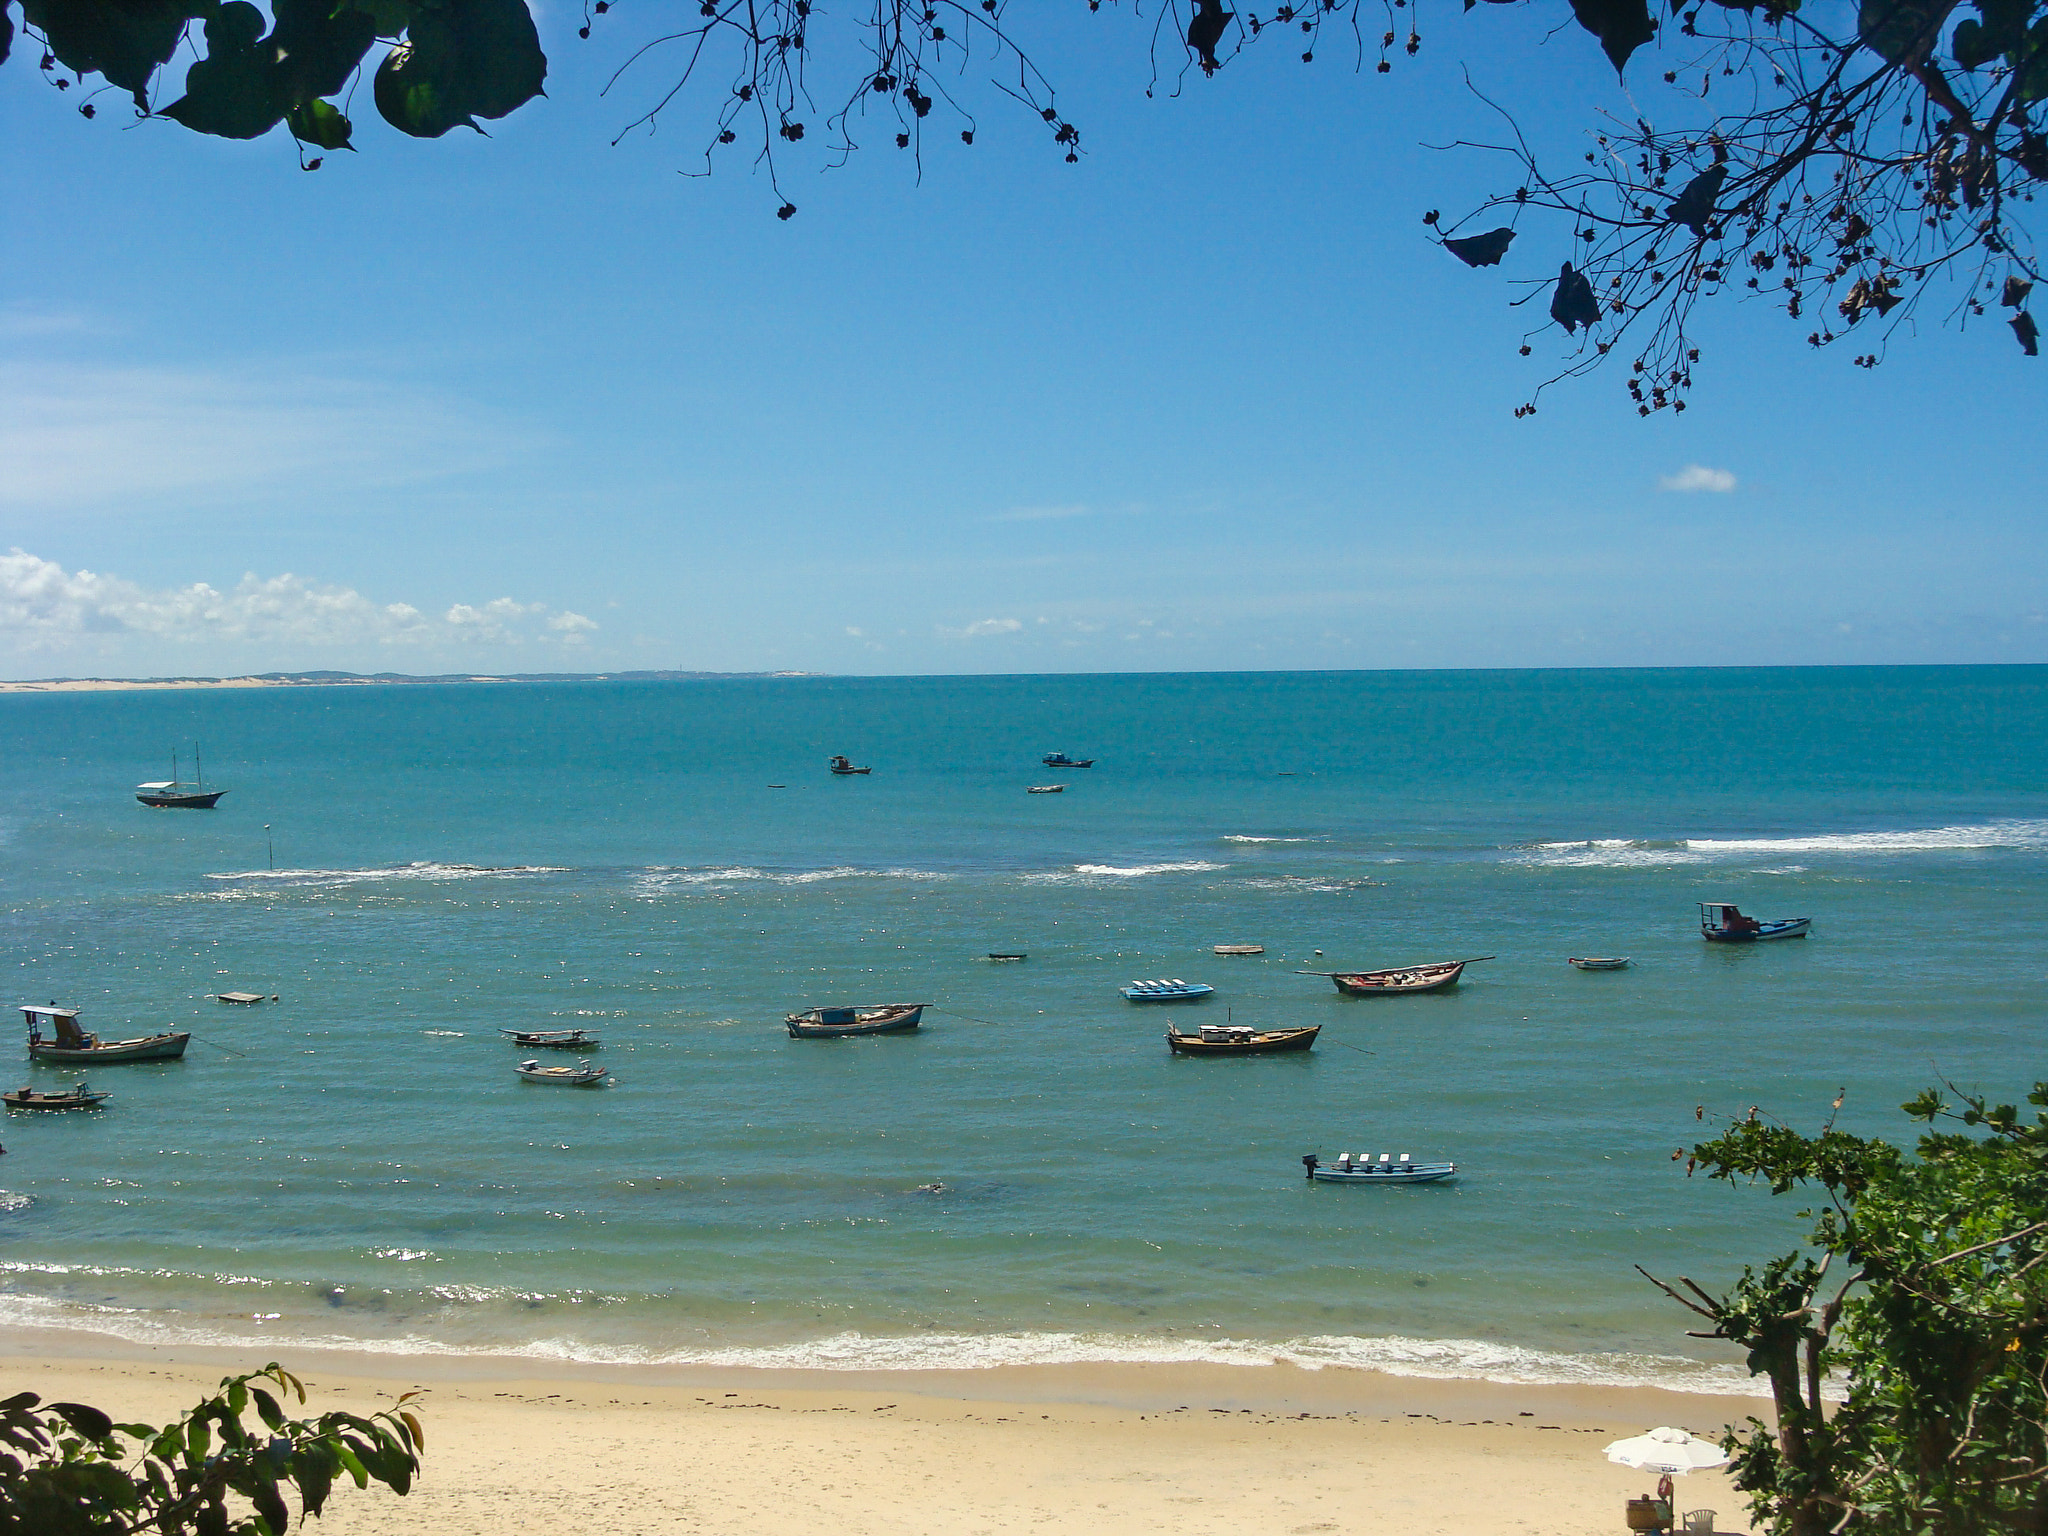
[[409, 869]]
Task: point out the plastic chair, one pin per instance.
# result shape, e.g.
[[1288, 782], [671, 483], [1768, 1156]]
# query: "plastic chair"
[[1699, 1522]]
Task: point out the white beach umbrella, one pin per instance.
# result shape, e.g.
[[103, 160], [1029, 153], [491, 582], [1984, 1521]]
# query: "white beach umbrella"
[[1667, 1450]]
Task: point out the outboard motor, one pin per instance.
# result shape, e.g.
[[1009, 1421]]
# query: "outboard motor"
[[1311, 1163]]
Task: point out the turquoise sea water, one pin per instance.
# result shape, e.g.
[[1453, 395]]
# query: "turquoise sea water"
[[358, 1162]]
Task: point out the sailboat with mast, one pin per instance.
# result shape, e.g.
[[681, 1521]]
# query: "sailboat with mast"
[[173, 794]]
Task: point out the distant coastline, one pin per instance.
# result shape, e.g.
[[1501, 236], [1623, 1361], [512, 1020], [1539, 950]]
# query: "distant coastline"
[[359, 679]]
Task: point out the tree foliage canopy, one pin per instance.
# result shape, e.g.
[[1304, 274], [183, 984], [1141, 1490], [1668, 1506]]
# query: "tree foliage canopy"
[[67, 1469], [1925, 1296], [1833, 157]]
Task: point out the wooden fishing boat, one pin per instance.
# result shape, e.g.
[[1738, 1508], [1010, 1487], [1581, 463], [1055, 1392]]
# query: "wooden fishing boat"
[[1364, 1169], [838, 1022], [1608, 963], [1401, 981], [1006, 954], [80, 1097], [1061, 760], [173, 794], [843, 766], [1240, 1040], [565, 1077], [554, 1039], [69, 1044], [1722, 922], [1046, 789], [242, 999], [1164, 991], [1239, 949]]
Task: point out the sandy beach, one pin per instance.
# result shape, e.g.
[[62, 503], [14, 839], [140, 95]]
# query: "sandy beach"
[[517, 1445]]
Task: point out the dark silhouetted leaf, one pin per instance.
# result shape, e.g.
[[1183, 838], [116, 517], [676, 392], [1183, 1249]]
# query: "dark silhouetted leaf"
[[84, 1418], [234, 92], [1694, 207], [319, 45], [1482, 250], [1901, 31], [1205, 31], [1573, 304], [461, 61], [320, 123], [1622, 26], [2016, 291], [2002, 30], [6, 33], [2024, 328], [124, 40]]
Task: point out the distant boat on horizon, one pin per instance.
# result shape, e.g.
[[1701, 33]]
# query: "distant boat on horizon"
[[1061, 760], [173, 794]]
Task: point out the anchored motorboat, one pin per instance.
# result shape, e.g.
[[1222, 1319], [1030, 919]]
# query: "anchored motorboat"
[[1722, 922], [80, 1097], [173, 794], [1399, 981], [566, 1077], [1240, 1040], [1061, 760], [1385, 1169], [67, 1043], [1608, 963], [853, 1019], [553, 1039]]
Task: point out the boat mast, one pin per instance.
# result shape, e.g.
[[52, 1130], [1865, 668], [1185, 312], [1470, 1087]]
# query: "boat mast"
[[198, 773]]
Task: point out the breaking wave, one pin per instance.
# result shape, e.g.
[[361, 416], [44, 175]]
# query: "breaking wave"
[[1080, 872], [422, 869], [656, 881], [1625, 853]]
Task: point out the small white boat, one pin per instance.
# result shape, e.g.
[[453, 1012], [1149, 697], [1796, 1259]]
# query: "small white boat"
[[1165, 991], [1385, 1169], [553, 1039], [1238, 949], [1722, 922], [564, 1077], [1608, 963], [1046, 789]]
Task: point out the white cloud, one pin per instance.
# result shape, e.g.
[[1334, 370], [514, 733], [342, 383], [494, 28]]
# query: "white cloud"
[[1697, 477], [74, 436], [1039, 514], [44, 607], [983, 627]]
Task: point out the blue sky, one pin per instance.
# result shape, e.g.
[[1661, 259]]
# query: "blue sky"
[[1208, 399]]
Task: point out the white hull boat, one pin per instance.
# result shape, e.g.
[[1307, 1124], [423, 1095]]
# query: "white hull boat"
[[1366, 1169]]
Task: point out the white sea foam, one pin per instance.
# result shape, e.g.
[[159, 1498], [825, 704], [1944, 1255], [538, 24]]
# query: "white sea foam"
[[656, 881], [2031, 836], [1121, 871], [1441, 1359], [423, 869], [1608, 853], [1240, 837]]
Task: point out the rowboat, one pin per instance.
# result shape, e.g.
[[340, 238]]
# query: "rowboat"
[[242, 999], [564, 1077], [80, 1097], [1061, 760], [1611, 963], [1363, 1169], [835, 1023], [1240, 1040], [67, 1043], [1401, 981], [553, 1039], [1046, 789], [173, 794], [1006, 954], [1164, 991], [1239, 949], [842, 765], [1722, 922]]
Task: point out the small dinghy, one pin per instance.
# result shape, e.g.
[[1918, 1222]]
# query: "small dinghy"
[[834, 1023], [1238, 949], [1722, 922], [1164, 991], [553, 1039], [1610, 963], [1046, 789], [564, 1077], [1364, 1169], [843, 766], [69, 1045], [1401, 981], [80, 1097], [1006, 954], [1240, 1040]]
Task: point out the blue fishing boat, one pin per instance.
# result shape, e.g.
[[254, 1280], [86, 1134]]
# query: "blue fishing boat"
[[1165, 991], [1061, 760]]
